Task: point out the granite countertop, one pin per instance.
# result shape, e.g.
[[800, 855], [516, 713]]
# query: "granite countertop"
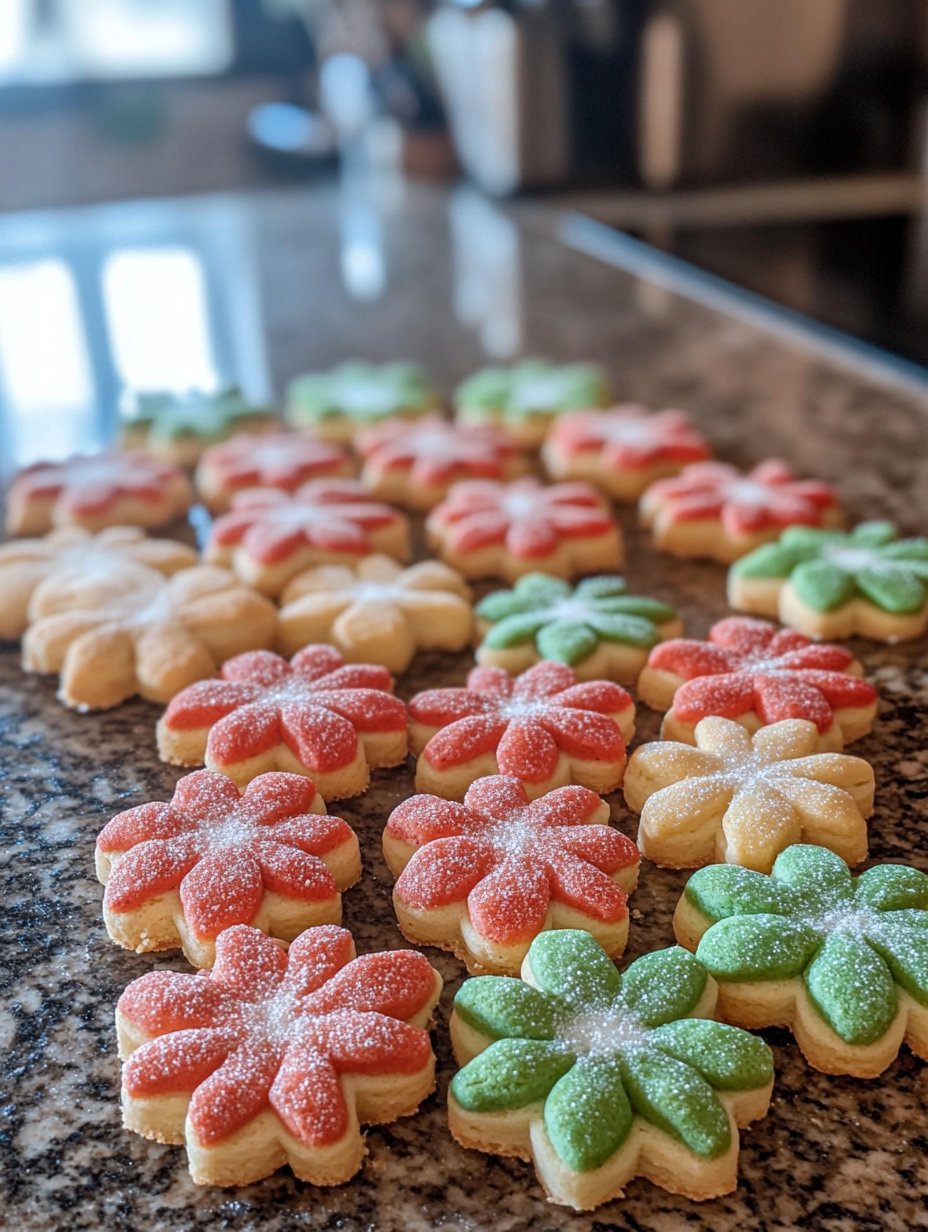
[[449, 286]]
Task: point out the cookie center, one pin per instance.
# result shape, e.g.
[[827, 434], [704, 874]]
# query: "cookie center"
[[748, 492], [597, 1032], [573, 610], [291, 688], [852, 559], [845, 918], [522, 505], [540, 392], [357, 397], [627, 431]]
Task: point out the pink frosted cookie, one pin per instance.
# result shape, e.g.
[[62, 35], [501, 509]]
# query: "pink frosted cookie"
[[270, 537], [281, 460], [543, 728], [277, 1055], [622, 450], [415, 464], [95, 491], [712, 509], [177, 874], [485, 877], [751, 672], [488, 529], [313, 716]]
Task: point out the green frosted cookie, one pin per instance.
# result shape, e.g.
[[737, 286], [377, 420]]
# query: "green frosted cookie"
[[355, 395], [596, 627], [831, 584], [179, 426], [841, 960], [524, 397], [577, 1054]]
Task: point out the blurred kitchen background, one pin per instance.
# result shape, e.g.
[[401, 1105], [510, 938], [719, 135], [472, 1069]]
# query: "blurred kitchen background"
[[781, 145]]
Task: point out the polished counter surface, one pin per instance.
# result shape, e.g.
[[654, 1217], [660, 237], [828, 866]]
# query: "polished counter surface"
[[298, 279]]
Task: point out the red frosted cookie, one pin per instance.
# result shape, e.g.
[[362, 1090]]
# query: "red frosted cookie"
[[622, 450], [276, 1055], [485, 877], [415, 464], [488, 529], [543, 728], [95, 491], [270, 537], [314, 715], [713, 509], [177, 874], [749, 671], [281, 460]]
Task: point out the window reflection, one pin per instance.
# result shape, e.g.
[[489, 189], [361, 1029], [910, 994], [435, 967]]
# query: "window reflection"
[[158, 319], [45, 370]]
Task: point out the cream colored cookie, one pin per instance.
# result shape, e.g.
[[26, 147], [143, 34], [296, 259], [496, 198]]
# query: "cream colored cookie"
[[71, 555], [377, 611], [139, 632], [742, 800]]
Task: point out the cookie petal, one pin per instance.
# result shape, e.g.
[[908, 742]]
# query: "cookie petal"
[[510, 1074], [573, 966], [675, 1098], [852, 988], [587, 1113], [662, 986], [504, 1008], [743, 948], [727, 1057]]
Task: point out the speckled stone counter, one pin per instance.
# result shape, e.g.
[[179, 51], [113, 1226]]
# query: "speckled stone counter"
[[834, 1153]]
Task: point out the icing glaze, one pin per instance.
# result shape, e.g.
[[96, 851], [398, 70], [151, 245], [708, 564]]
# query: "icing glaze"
[[828, 569], [315, 705], [527, 722], [282, 460], [534, 387], [744, 502], [531, 519], [362, 392], [94, 483], [333, 515], [629, 437], [594, 1050], [223, 849], [435, 452], [196, 413], [509, 859], [567, 623], [853, 941], [274, 1029], [749, 666]]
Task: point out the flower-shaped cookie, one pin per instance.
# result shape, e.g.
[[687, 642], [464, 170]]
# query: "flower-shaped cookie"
[[623, 449], [281, 460], [526, 397], [135, 631], [72, 555], [600, 1077], [269, 537], [276, 1055], [95, 491], [713, 509], [177, 427], [543, 728], [354, 395], [488, 529], [377, 611], [177, 874], [740, 799], [827, 584], [312, 716], [750, 671], [595, 627], [841, 960], [485, 877], [415, 464]]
